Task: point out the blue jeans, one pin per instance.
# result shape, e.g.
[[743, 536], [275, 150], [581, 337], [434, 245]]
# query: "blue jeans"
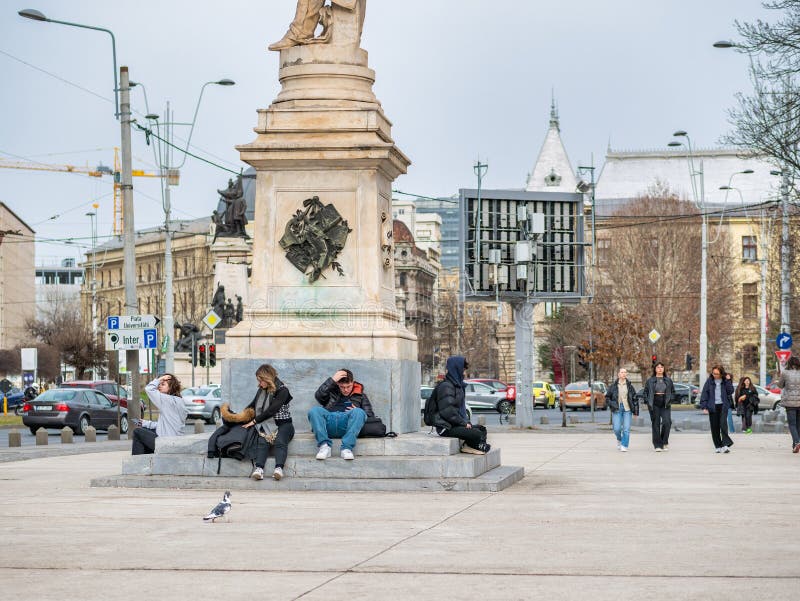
[[621, 420], [337, 424], [731, 427]]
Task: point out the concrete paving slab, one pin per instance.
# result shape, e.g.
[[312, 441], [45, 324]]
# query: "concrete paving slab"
[[691, 524]]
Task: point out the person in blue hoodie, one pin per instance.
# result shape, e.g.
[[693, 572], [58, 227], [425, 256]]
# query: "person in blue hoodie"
[[451, 415]]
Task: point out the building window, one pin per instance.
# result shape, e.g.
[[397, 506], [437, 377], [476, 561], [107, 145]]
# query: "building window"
[[402, 280], [749, 300], [749, 357], [749, 248], [603, 246]]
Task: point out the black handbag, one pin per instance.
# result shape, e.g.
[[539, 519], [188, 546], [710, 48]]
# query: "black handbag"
[[375, 428]]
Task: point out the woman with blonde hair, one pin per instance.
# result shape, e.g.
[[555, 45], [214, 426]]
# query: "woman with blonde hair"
[[271, 402]]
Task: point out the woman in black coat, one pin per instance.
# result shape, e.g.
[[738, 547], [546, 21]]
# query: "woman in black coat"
[[715, 400], [746, 399]]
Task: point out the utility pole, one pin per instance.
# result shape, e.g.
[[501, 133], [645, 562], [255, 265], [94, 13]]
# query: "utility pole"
[[129, 236], [169, 318], [785, 283], [762, 359], [480, 170]]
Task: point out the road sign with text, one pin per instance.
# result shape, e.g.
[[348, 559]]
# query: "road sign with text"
[[131, 322], [131, 339]]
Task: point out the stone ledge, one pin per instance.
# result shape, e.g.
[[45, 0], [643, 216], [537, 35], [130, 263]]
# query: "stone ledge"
[[494, 480]]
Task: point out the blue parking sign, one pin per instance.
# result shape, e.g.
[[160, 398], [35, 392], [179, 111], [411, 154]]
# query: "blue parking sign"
[[113, 323], [150, 338]]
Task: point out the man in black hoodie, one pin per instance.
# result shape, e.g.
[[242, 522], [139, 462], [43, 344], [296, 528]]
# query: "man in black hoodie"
[[451, 415]]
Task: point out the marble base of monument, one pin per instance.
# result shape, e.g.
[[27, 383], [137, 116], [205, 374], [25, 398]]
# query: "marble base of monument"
[[411, 462]]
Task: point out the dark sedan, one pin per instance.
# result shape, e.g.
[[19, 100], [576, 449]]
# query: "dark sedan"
[[15, 399], [77, 408], [685, 394]]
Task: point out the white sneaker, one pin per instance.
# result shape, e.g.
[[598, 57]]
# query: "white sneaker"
[[278, 473], [347, 454], [258, 474], [726, 450], [666, 448], [324, 451], [718, 450], [659, 449], [623, 449]]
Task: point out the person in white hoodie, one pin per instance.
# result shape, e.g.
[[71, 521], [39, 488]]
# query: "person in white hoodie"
[[165, 393]]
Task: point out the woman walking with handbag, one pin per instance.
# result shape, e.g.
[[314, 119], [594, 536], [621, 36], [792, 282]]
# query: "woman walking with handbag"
[[271, 401], [789, 382], [746, 397]]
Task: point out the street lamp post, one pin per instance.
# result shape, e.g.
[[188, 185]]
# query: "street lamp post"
[[93, 285], [171, 177], [123, 115], [698, 191]]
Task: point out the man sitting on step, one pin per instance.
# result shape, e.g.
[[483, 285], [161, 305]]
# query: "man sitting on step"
[[451, 415], [343, 409]]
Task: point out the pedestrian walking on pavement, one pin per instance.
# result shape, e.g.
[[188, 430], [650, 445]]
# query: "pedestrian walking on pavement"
[[621, 399], [659, 392], [789, 382], [715, 401], [746, 399], [731, 426]]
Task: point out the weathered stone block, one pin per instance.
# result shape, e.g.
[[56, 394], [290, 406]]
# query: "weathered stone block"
[[90, 434], [199, 426], [41, 437], [113, 432], [66, 435], [15, 438]]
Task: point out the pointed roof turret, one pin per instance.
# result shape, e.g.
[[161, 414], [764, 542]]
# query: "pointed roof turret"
[[552, 171]]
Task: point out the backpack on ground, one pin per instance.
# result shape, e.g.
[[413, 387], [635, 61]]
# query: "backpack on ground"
[[431, 407]]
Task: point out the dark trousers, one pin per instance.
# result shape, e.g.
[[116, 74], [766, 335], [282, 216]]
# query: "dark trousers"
[[144, 441], [747, 416], [719, 427], [793, 419], [281, 444], [661, 422], [471, 436]]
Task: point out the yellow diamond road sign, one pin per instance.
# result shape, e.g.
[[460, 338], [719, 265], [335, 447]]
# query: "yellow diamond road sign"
[[653, 335], [211, 319]]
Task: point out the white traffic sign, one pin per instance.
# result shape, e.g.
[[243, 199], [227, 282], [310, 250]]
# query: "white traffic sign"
[[131, 322], [212, 320], [131, 339], [654, 336]]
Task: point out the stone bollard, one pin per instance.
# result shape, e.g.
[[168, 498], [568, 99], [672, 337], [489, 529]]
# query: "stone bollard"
[[769, 416], [15, 438], [41, 437], [66, 435], [758, 426], [481, 420], [573, 419], [199, 426], [113, 432], [779, 427], [90, 434], [544, 420]]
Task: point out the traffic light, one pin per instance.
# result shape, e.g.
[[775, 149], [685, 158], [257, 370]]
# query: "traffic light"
[[193, 355], [212, 355], [201, 352], [689, 360], [583, 357], [654, 358]]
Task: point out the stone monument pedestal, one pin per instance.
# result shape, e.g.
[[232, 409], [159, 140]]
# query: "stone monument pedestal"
[[325, 136]]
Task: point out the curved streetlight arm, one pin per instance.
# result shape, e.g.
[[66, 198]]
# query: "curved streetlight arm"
[[194, 119], [113, 49]]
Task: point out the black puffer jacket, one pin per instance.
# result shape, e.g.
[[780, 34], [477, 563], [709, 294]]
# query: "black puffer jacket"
[[612, 397], [650, 391], [328, 395], [450, 396]]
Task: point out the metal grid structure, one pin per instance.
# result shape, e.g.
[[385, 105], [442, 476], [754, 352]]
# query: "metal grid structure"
[[531, 245]]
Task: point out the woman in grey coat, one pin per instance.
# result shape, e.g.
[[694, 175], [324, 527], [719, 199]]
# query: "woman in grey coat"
[[789, 383]]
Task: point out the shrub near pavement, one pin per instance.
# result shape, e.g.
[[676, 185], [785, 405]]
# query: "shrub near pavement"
[[10, 419]]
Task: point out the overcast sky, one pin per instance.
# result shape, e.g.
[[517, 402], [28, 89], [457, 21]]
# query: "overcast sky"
[[459, 79]]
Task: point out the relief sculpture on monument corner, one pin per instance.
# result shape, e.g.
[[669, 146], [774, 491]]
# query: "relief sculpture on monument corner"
[[314, 237], [313, 13]]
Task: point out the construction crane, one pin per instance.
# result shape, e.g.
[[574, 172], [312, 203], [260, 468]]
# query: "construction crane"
[[98, 171]]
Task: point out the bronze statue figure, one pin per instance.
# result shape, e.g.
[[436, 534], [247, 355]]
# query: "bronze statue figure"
[[231, 223]]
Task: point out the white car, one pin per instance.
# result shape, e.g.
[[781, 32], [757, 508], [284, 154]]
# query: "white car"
[[766, 399]]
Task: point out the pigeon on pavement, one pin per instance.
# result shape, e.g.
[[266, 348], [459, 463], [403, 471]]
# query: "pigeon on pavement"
[[221, 509]]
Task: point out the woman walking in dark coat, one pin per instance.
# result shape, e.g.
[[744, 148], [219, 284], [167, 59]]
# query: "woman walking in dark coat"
[[659, 392], [746, 398], [789, 382], [715, 400]]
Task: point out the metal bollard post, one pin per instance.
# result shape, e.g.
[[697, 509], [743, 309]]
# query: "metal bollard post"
[[199, 426], [90, 434], [113, 432], [41, 437], [66, 435], [15, 438]]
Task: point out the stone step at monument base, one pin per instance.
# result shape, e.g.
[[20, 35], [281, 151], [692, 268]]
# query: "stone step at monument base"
[[410, 462], [493, 480]]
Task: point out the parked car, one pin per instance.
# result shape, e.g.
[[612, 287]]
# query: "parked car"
[[543, 395], [577, 396], [767, 399], [509, 389], [773, 388], [425, 394], [559, 391], [15, 400], [483, 397], [685, 394], [203, 402], [112, 390], [75, 407]]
